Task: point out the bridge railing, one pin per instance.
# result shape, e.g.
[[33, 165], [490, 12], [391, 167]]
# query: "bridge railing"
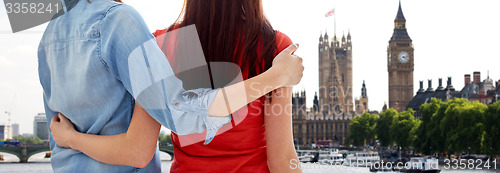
[[24, 152]]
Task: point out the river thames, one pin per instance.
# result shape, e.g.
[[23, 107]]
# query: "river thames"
[[38, 164]]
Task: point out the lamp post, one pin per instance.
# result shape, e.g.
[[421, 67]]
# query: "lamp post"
[[449, 153], [400, 152], [469, 151], [491, 153]]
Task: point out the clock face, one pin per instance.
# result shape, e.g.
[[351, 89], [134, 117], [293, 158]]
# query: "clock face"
[[403, 57], [349, 48]]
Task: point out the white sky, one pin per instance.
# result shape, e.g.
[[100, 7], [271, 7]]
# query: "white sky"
[[451, 38]]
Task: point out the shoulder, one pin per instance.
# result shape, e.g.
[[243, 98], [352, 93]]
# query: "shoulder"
[[122, 31], [282, 41], [123, 22], [122, 12], [81, 21], [159, 32]]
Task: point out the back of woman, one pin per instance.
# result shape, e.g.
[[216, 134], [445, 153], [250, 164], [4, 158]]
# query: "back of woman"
[[233, 31]]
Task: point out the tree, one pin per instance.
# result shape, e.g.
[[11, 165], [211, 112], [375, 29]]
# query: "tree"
[[491, 137], [164, 139], [426, 133], [362, 129], [435, 132], [471, 125], [462, 125], [356, 135], [28, 140], [370, 121], [413, 132], [383, 129], [401, 129]]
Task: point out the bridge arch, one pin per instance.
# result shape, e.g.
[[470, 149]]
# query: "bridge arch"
[[10, 152], [13, 152], [33, 153], [24, 152]]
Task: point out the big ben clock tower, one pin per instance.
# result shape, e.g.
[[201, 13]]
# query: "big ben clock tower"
[[400, 65]]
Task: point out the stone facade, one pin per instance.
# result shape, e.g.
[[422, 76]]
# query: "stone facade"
[[309, 126], [335, 75]]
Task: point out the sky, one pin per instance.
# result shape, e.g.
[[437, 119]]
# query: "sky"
[[450, 37]]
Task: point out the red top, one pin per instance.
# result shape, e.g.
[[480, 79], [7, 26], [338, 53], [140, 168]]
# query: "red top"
[[239, 146]]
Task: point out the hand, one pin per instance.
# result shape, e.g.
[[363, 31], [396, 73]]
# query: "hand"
[[62, 130], [288, 66]]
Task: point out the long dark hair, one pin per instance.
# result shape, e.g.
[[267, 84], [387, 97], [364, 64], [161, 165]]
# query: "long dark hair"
[[232, 31]]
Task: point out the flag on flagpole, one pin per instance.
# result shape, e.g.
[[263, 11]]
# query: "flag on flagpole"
[[330, 13]]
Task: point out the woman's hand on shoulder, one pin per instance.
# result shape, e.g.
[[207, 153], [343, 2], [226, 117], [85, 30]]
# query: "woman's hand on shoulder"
[[62, 130], [288, 67]]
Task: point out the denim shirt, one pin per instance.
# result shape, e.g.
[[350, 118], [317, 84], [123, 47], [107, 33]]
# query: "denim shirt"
[[95, 62]]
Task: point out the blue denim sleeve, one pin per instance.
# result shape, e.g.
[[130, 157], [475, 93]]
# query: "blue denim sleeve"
[[131, 54], [49, 114]]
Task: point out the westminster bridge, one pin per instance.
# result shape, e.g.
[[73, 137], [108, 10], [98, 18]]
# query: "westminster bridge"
[[24, 152]]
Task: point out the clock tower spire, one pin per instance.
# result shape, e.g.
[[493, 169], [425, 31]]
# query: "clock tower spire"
[[400, 64], [400, 20]]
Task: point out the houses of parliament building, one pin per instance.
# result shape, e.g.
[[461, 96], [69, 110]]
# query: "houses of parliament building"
[[333, 108], [332, 111]]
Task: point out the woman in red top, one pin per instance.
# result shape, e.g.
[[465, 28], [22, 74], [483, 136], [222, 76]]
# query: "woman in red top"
[[259, 137]]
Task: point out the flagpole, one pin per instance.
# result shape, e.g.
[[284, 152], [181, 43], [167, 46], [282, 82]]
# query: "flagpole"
[[334, 22], [334, 19]]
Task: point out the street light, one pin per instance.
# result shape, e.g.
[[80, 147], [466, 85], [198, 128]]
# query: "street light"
[[491, 153], [449, 153]]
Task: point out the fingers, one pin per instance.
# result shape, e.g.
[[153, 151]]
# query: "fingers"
[[291, 49], [62, 117], [300, 60], [53, 121]]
